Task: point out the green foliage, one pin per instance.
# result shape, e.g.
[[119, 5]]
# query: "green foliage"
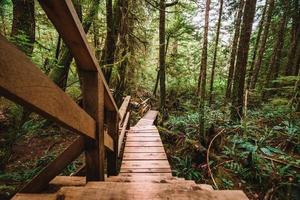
[[184, 168]]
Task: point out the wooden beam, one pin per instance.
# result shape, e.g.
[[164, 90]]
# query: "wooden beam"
[[64, 17], [93, 103], [124, 107], [108, 142], [22, 82], [40, 181], [112, 156], [122, 134]]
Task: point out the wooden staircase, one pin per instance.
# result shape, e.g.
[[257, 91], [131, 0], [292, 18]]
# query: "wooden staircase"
[[145, 174]]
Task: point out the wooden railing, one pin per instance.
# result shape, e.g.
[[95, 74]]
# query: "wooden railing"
[[99, 123]]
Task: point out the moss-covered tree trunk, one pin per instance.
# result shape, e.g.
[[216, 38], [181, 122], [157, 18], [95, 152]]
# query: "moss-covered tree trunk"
[[237, 25], [202, 76], [241, 62], [262, 46]]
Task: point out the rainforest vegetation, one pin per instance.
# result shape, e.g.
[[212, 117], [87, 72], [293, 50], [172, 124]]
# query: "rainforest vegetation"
[[224, 74]]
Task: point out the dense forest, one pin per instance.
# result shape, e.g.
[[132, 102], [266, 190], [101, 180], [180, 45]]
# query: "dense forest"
[[225, 76]]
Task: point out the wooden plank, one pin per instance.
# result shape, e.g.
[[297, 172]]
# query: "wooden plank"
[[68, 181], [163, 175], [113, 190], [144, 156], [145, 164], [93, 103], [40, 181], [57, 10], [124, 107], [21, 81], [144, 144], [143, 134], [144, 150], [122, 134], [22, 196], [143, 139], [146, 170]]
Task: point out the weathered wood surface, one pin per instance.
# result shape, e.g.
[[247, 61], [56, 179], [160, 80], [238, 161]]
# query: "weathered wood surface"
[[122, 134], [93, 103], [124, 107], [64, 17], [22, 82], [111, 190], [144, 156], [68, 181], [40, 181], [144, 151], [23, 196]]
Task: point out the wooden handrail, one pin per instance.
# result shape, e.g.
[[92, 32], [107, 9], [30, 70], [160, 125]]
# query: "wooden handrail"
[[122, 134], [64, 17], [124, 107], [21, 81]]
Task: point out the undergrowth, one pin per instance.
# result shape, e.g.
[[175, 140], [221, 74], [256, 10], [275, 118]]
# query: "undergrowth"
[[261, 155]]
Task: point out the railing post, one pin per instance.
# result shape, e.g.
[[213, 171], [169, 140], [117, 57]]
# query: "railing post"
[[93, 102], [113, 129]]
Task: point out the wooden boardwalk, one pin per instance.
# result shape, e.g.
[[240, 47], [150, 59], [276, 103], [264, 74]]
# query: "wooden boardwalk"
[[145, 174], [144, 153]]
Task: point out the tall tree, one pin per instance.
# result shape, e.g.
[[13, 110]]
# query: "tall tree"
[[59, 73], [215, 54], [202, 75], [237, 25], [162, 49], [241, 62], [162, 53], [262, 45], [111, 37], [274, 65], [295, 39], [123, 51], [23, 26], [260, 29]]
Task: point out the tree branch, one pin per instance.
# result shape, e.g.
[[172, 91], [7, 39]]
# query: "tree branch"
[[172, 3]]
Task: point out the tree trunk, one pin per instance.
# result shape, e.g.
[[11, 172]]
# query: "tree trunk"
[[274, 65], [59, 73], [260, 28], [234, 49], [241, 63], [262, 46], [215, 54], [202, 76], [123, 51], [23, 35], [23, 25], [295, 32], [162, 48]]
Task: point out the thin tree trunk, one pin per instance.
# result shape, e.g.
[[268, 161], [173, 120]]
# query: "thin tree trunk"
[[124, 50], [215, 54], [241, 62], [295, 32], [274, 65], [162, 48], [202, 76], [234, 49], [260, 28], [262, 46]]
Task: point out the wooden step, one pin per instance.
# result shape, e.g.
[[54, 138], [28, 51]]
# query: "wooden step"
[[68, 181], [121, 190], [23, 196]]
